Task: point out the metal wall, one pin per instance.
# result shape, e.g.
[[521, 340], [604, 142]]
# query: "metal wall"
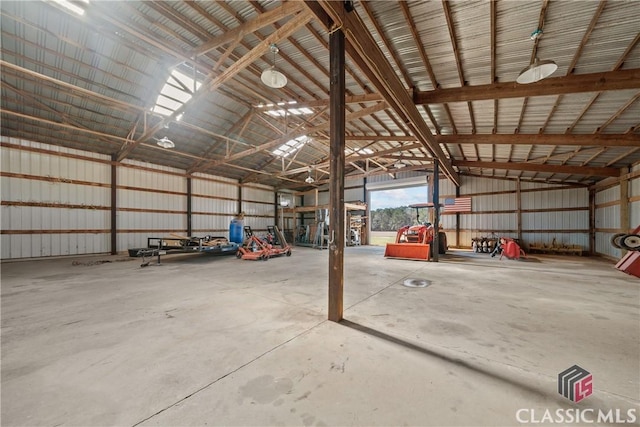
[[634, 199], [607, 220], [57, 201], [53, 205], [214, 204], [609, 212], [258, 205], [151, 202]]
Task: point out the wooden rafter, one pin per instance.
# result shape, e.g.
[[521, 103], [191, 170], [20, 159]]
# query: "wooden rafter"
[[456, 54], [249, 27], [594, 82], [576, 57], [534, 167], [367, 55], [262, 47], [601, 139]]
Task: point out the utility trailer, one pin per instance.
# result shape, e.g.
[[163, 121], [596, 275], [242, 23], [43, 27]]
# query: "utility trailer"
[[158, 246]]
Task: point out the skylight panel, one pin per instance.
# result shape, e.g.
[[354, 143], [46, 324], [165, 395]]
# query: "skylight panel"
[[177, 91], [291, 146]]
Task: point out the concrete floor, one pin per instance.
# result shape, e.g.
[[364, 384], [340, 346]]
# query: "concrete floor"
[[206, 340]]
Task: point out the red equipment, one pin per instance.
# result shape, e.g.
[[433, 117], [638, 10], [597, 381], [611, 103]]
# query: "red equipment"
[[254, 248], [511, 249], [415, 241]]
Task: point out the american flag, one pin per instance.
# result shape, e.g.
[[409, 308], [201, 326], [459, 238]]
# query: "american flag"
[[459, 204]]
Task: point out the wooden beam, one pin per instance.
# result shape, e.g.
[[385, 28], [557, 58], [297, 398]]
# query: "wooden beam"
[[603, 140], [595, 82], [364, 51], [534, 167], [625, 224], [387, 138], [285, 31], [295, 134], [336, 182], [114, 207], [239, 32]]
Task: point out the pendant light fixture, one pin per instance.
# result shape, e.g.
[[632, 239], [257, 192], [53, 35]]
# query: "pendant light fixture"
[[272, 77], [539, 69], [165, 142], [309, 179]]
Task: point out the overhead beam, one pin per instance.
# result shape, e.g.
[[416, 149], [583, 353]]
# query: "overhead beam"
[[388, 138], [603, 140], [239, 32], [534, 167], [365, 52], [299, 131], [283, 32], [595, 82], [349, 99]]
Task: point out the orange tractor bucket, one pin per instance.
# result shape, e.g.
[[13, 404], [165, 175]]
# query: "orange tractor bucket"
[[411, 243], [415, 251]]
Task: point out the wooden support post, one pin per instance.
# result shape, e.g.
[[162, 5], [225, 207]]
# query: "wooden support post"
[[624, 206], [592, 221], [336, 180], [435, 250], [519, 209], [114, 205], [276, 205], [457, 221], [189, 208]]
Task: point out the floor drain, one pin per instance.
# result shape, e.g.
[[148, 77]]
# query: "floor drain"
[[416, 283]]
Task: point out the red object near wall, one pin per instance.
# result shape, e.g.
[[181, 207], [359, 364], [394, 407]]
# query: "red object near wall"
[[511, 249], [630, 263]]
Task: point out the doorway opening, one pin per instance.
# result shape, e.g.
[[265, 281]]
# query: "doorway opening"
[[389, 210]]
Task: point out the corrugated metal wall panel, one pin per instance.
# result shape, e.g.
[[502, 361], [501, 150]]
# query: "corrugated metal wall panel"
[[634, 214], [258, 194], [150, 197], [567, 239], [604, 246], [569, 198], [608, 195], [608, 217], [483, 224], [565, 220], [354, 195], [49, 203], [497, 202], [133, 192], [258, 206], [634, 206]]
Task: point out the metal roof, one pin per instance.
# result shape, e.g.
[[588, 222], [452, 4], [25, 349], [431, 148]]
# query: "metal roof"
[[89, 82]]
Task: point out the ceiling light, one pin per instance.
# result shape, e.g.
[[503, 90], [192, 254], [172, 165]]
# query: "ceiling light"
[[537, 71], [272, 77], [165, 142], [309, 178], [399, 164]]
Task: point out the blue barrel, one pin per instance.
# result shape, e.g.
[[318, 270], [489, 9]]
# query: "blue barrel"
[[236, 232]]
